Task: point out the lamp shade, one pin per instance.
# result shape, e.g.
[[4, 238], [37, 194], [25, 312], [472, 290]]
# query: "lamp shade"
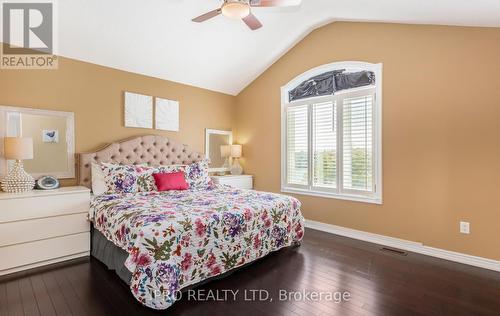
[[18, 148], [225, 151], [236, 151]]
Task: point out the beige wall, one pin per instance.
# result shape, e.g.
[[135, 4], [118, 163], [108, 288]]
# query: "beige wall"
[[95, 94], [441, 130]]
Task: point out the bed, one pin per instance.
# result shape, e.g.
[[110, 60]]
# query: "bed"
[[161, 243]]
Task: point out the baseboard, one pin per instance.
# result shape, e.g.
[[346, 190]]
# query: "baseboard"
[[406, 245]]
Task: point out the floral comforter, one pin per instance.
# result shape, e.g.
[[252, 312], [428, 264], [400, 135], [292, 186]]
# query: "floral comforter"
[[178, 238]]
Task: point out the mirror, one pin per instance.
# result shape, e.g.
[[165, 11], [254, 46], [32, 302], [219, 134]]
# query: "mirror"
[[53, 140], [219, 156]]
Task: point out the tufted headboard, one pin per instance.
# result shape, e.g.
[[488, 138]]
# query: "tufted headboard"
[[151, 149]]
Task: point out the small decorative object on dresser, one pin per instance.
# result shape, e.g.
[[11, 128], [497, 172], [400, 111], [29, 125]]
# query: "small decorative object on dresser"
[[43, 227], [236, 168], [18, 180], [47, 183], [244, 181]]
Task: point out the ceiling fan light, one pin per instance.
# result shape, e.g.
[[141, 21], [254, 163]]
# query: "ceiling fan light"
[[235, 10]]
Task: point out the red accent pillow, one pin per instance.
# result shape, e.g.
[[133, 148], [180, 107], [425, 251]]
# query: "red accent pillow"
[[171, 181]]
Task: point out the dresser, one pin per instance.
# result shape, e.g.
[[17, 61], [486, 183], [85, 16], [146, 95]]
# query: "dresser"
[[243, 181], [43, 227]]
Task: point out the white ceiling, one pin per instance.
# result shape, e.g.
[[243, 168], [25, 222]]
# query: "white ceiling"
[[157, 38]]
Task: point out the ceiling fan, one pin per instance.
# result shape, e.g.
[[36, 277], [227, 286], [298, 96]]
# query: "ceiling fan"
[[241, 9]]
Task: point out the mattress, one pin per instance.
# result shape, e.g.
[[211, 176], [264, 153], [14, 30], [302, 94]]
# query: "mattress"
[[175, 239]]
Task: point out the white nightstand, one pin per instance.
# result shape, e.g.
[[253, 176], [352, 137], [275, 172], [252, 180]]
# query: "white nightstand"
[[42, 227], [243, 181]]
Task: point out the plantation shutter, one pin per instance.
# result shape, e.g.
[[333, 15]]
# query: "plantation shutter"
[[297, 145], [331, 133], [324, 142], [357, 134]]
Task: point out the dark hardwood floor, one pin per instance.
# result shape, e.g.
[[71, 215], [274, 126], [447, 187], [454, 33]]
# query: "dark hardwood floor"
[[379, 283]]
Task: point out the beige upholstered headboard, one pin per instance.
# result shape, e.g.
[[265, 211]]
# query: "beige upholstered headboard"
[[151, 149]]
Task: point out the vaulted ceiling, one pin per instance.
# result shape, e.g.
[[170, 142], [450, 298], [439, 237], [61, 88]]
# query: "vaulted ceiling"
[[157, 38]]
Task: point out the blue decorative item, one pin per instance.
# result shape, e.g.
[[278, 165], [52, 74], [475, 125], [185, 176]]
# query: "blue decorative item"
[[47, 183], [50, 136]]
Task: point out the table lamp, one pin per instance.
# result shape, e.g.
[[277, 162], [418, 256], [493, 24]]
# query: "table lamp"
[[17, 180], [236, 169]]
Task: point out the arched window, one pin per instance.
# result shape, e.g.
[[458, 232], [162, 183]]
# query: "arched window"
[[331, 133]]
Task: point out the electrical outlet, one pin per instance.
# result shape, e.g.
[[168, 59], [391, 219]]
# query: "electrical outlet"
[[465, 227]]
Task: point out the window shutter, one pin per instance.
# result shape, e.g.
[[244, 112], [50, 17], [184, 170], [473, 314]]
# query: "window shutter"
[[357, 158], [324, 145], [297, 145], [330, 133]]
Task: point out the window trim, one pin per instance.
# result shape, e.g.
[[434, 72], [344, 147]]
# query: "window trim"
[[375, 198]]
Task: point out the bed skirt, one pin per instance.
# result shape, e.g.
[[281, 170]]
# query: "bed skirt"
[[111, 255]]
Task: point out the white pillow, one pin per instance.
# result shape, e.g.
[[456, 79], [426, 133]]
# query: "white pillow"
[[98, 183]]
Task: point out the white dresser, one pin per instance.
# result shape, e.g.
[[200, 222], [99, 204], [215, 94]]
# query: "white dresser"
[[243, 181], [42, 227]]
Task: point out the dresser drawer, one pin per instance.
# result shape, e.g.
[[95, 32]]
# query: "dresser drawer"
[[244, 182], [16, 209], [42, 228], [43, 250]]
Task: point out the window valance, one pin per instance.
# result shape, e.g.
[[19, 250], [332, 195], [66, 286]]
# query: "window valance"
[[329, 82]]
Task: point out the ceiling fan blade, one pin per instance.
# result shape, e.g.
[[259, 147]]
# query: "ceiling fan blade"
[[274, 3], [252, 22], [207, 16]]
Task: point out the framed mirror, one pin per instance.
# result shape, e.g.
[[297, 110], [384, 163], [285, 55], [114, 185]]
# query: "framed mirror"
[[217, 149], [53, 140]]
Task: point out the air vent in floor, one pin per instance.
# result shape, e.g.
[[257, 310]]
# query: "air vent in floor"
[[394, 251]]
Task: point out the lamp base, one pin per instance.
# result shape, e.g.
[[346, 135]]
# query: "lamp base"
[[236, 168], [18, 181]]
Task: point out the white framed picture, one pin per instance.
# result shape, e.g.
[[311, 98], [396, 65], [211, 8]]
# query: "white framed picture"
[[167, 114], [138, 110], [50, 136]]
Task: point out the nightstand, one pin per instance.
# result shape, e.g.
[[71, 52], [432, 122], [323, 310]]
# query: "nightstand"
[[243, 181], [43, 227]]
